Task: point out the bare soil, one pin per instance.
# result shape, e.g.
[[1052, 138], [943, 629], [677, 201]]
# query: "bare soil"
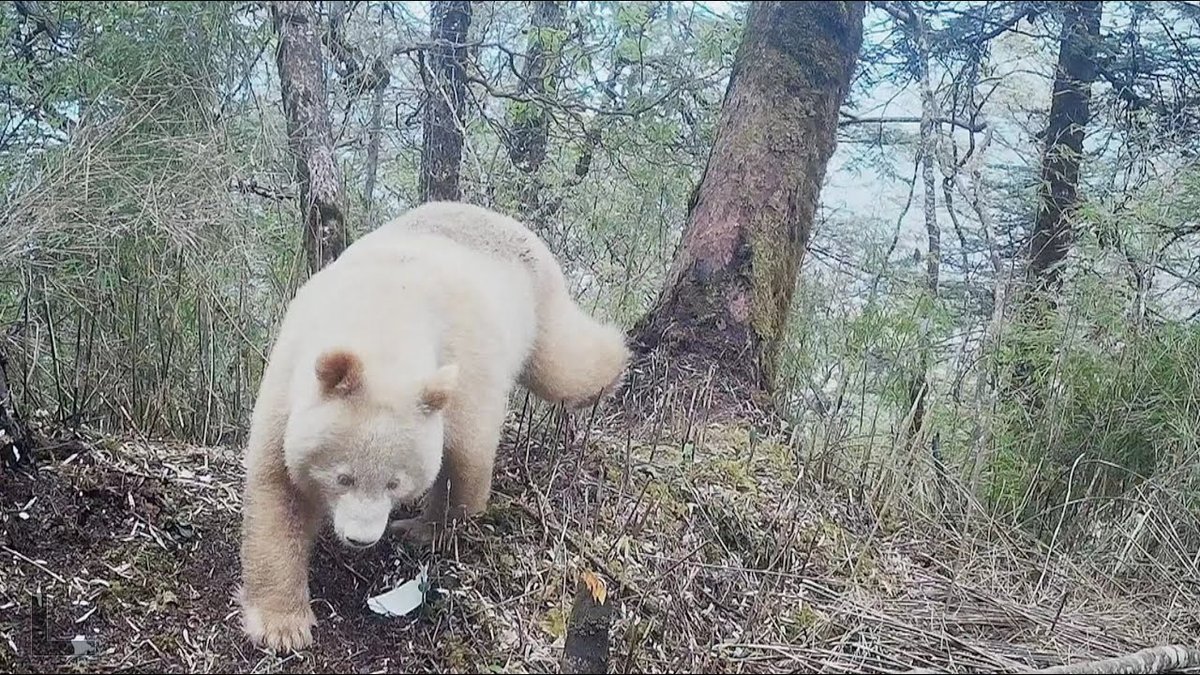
[[717, 551]]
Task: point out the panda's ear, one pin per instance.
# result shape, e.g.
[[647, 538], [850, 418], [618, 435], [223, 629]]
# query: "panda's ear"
[[439, 388], [339, 373]]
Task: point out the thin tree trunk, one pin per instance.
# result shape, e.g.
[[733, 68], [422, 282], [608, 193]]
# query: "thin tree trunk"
[[986, 384], [358, 76], [531, 116], [915, 27], [930, 136], [310, 138], [1069, 115], [1058, 198], [383, 78], [539, 80], [726, 301], [446, 91], [16, 443]]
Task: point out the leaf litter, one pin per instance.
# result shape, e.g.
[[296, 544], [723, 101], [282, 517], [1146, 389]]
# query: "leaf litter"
[[713, 561]]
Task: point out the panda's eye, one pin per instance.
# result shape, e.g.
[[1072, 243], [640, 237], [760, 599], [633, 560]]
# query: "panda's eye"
[[392, 485], [345, 480]]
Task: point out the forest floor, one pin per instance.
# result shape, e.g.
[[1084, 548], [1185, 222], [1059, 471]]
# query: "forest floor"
[[720, 554]]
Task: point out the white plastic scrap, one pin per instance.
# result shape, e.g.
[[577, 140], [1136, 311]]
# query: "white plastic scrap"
[[402, 599], [81, 646]]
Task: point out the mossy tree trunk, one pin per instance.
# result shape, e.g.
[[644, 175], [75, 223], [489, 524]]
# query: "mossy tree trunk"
[[730, 287], [539, 82], [445, 78], [310, 138], [530, 114]]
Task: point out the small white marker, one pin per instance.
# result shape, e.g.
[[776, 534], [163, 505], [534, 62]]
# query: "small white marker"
[[402, 599]]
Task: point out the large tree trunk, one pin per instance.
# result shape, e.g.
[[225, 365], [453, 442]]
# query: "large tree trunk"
[[1069, 115], [730, 287], [310, 139], [445, 76]]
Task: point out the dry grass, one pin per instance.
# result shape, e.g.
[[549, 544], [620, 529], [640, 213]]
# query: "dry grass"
[[720, 553]]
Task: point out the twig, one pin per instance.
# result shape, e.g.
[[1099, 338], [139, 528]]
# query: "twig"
[[35, 564], [626, 587]]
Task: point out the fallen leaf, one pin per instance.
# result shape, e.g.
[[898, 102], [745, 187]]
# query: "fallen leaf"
[[596, 585]]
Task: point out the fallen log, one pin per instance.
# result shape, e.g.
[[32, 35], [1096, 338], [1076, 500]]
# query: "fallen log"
[[1162, 659]]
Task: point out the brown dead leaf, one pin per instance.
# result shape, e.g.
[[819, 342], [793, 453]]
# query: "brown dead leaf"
[[596, 585]]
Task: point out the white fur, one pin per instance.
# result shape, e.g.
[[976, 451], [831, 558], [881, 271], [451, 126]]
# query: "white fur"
[[390, 379]]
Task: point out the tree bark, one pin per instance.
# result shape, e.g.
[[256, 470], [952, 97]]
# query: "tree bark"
[[445, 77], [310, 138], [917, 28], [16, 443], [375, 134], [1069, 115], [587, 645], [529, 137], [1058, 198], [730, 287], [539, 79]]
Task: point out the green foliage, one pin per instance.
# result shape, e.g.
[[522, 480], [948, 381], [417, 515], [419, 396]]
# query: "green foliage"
[[122, 277], [146, 287], [1116, 417], [1111, 399]]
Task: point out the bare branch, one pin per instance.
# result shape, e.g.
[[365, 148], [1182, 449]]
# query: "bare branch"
[[974, 127], [253, 187]]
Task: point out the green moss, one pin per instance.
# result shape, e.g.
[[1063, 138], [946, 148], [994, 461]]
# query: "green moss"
[[801, 625], [771, 278], [668, 498], [502, 516], [554, 623], [735, 472], [455, 652]]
